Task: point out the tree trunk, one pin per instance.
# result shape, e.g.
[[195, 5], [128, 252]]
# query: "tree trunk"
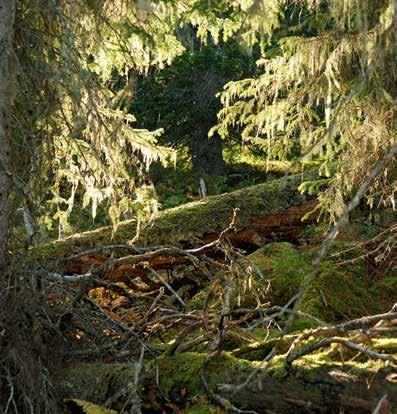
[[206, 153], [7, 13]]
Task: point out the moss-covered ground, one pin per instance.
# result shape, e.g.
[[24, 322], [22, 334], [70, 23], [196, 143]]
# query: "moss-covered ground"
[[269, 277]]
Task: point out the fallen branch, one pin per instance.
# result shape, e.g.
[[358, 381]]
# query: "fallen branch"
[[360, 323], [345, 342], [167, 285]]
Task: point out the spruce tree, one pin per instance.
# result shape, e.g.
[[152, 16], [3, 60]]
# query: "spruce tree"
[[328, 87]]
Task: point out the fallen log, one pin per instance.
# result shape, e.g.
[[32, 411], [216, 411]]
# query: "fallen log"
[[267, 212], [312, 387]]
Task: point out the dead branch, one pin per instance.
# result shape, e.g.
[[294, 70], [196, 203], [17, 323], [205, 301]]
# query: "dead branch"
[[167, 285], [189, 329], [383, 406], [361, 323], [345, 342]]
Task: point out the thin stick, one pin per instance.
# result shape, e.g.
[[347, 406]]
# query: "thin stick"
[[167, 285], [345, 342]]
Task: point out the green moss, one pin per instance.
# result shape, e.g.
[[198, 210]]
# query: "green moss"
[[201, 405], [384, 290], [187, 373], [257, 351], [300, 324], [205, 409], [336, 295], [183, 370], [286, 267], [313, 233], [386, 345], [198, 300]]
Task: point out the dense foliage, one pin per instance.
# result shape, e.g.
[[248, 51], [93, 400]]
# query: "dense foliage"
[[327, 90], [79, 144]]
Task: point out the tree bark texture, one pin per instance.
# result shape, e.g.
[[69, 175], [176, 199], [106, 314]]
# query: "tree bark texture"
[[206, 153], [7, 13]]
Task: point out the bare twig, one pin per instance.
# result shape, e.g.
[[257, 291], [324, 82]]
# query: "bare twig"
[[130, 249], [383, 406], [167, 285], [360, 323], [120, 325], [189, 329], [69, 278], [391, 229], [154, 304]]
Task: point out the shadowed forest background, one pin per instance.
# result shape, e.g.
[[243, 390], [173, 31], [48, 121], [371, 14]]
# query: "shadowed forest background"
[[198, 206]]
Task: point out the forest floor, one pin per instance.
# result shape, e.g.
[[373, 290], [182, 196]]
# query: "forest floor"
[[194, 315]]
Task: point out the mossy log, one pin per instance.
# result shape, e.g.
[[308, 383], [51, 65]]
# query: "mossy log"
[[268, 211], [311, 387]]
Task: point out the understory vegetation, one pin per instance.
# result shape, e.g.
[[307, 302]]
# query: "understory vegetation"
[[198, 206]]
